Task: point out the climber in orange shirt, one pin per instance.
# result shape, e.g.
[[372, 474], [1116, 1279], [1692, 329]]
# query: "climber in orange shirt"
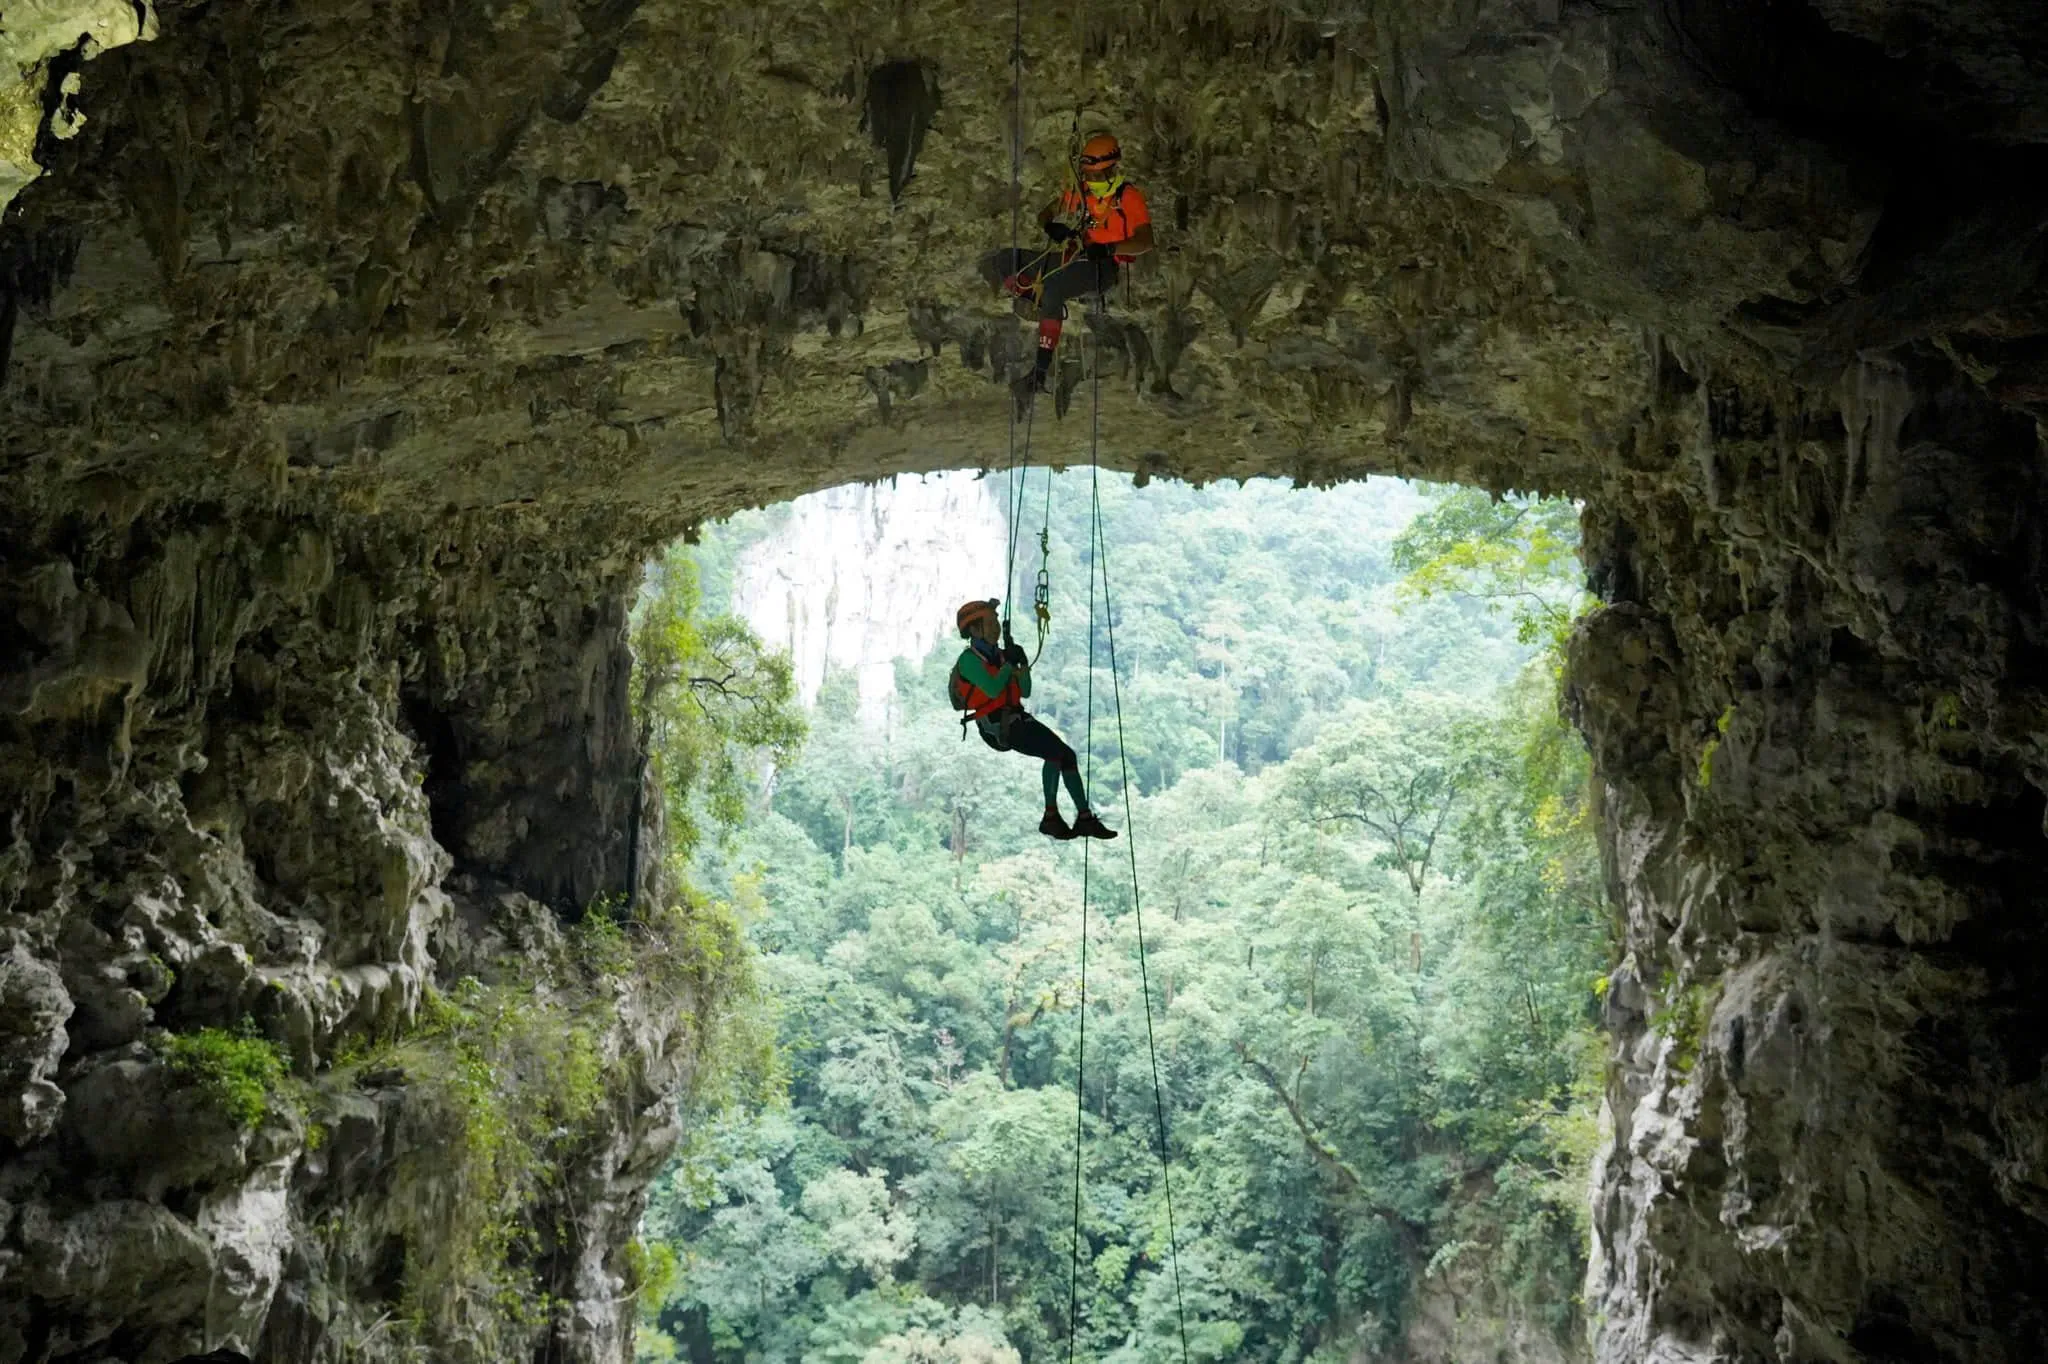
[[1113, 227]]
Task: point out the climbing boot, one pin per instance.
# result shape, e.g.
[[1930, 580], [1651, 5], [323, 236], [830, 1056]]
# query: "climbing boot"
[[1053, 826], [1086, 825]]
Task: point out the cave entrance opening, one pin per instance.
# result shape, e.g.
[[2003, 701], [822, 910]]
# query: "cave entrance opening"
[[1365, 842]]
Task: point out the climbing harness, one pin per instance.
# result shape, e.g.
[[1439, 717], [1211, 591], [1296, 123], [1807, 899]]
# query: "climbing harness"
[[976, 703], [1076, 201]]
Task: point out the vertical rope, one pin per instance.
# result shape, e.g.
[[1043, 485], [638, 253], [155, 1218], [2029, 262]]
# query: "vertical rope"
[[1098, 554], [1081, 1050], [1101, 541], [1016, 122], [1013, 481]]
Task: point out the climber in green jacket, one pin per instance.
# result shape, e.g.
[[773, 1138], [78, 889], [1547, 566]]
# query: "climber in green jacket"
[[989, 683]]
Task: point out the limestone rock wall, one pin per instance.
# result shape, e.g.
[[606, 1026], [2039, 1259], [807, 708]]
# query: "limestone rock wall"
[[1811, 697], [1822, 786], [860, 577], [43, 45], [243, 756]]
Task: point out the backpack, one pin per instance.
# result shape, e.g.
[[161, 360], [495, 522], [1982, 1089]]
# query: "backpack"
[[958, 694]]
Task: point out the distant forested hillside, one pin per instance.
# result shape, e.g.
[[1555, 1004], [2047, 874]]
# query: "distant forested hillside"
[[1373, 924]]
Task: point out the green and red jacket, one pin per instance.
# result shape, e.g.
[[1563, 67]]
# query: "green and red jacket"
[[990, 689]]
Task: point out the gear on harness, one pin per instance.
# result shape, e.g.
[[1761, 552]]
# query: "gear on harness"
[[1041, 592]]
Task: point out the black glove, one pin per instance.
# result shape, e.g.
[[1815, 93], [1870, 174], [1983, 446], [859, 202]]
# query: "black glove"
[[1059, 231], [1015, 654], [1099, 252]]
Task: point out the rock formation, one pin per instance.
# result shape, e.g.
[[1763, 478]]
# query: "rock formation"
[[355, 351], [862, 576]]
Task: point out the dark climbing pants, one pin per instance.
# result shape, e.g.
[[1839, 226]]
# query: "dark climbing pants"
[[1016, 732], [1078, 278]]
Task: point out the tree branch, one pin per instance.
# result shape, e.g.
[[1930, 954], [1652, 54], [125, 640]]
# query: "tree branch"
[[1326, 1155]]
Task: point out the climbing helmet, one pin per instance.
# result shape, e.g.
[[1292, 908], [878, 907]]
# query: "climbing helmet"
[[973, 611], [1100, 155]]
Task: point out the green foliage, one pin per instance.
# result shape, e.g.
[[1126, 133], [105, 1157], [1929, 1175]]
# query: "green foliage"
[[1518, 554], [1374, 918], [1394, 771], [505, 1082], [239, 1071], [651, 1272], [1683, 1017], [1705, 771], [1947, 711], [598, 941], [707, 698]]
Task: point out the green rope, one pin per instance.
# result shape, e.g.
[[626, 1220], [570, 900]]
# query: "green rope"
[[1138, 908], [1081, 1065], [1098, 554], [1014, 477]]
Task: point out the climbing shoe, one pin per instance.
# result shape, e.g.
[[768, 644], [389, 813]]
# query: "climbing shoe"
[[1086, 825], [1052, 826]]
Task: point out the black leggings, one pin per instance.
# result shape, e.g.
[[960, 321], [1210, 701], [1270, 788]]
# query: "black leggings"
[[1078, 278], [1025, 734], [1020, 733]]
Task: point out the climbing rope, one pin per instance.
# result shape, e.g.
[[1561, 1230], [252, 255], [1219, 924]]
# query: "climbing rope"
[[1098, 554], [1013, 476], [1016, 232], [1014, 479], [1017, 476], [1081, 1053]]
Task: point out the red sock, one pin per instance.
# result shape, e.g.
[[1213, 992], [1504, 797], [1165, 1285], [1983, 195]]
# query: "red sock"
[[1049, 333]]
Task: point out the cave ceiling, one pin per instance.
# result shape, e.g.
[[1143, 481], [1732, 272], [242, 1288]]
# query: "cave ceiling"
[[643, 263]]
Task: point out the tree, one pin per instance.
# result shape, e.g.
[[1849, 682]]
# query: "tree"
[[1518, 553], [857, 1227], [707, 697], [1396, 773]]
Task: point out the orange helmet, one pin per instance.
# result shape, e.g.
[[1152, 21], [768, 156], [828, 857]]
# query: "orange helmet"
[[973, 611], [1100, 154]]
